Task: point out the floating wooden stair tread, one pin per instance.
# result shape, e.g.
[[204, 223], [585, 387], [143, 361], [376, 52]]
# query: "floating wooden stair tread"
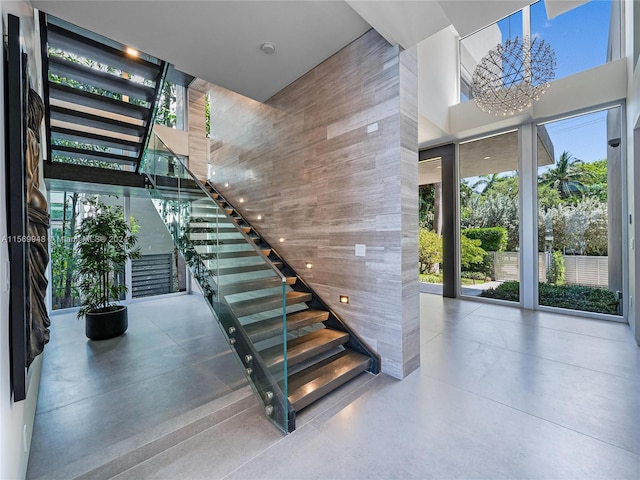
[[253, 285], [235, 241], [224, 228], [243, 269], [94, 138], [93, 155], [271, 327], [305, 347], [69, 115], [97, 78], [266, 303], [310, 384], [67, 94]]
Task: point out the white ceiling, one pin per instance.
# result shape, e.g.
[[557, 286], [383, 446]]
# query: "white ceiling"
[[219, 41]]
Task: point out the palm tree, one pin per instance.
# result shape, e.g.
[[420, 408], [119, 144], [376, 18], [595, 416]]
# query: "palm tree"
[[565, 177], [487, 180]]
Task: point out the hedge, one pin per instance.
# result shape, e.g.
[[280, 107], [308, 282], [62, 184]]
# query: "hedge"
[[574, 297], [494, 239]]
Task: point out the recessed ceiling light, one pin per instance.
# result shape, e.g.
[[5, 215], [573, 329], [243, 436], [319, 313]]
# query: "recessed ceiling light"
[[487, 157], [132, 51], [268, 48]]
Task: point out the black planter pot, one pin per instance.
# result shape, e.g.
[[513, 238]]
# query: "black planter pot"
[[106, 324]]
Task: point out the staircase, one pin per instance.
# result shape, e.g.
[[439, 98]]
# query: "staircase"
[[101, 98], [292, 347]]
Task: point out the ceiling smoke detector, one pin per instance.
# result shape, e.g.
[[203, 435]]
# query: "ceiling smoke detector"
[[268, 48]]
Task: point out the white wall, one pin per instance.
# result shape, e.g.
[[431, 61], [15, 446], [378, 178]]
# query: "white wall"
[[437, 71], [633, 164], [16, 419]]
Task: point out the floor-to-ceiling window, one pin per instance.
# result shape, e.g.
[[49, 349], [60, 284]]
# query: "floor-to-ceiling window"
[[159, 270], [67, 211], [430, 217], [580, 215], [489, 215]]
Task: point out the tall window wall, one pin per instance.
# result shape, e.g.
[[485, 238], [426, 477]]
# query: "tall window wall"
[[160, 269], [542, 215], [579, 36], [489, 214], [580, 215]]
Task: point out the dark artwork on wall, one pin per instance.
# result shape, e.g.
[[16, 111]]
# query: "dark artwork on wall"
[[28, 220]]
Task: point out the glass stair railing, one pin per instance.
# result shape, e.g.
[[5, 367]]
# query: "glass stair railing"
[[239, 283], [291, 346]]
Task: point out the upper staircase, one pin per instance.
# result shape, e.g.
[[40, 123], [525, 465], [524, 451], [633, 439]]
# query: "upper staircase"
[[293, 348], [101, 97]]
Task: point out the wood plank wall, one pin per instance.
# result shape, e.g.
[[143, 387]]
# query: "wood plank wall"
[[329, 162]]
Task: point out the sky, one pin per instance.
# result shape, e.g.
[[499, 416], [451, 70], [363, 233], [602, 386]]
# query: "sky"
[[580, 39]]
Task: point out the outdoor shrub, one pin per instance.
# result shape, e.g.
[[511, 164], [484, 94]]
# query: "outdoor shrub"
[[473, 275], [471, 253], [429, 249], [579, 297], [555, 274], [574, 297], [505, 291], [492, 239]]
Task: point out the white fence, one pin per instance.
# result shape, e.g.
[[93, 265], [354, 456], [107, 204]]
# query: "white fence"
[[579, 269]]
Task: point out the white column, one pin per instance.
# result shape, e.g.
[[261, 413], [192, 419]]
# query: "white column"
[[528, 216]]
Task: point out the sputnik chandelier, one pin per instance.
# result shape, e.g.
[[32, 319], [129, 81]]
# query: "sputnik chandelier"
[[513, 75]]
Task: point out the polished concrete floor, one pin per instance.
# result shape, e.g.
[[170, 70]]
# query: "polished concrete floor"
[[172, 359], [501, 394]]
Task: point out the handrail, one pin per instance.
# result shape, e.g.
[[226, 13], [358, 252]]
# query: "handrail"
[[262, 380], [148, 129], [200, 185], [355, 341], [268, 386]]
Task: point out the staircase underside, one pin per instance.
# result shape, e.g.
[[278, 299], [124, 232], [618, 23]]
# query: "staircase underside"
[[101, 98]]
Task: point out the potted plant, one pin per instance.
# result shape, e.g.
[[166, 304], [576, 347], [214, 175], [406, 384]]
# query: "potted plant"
[[104, 241]]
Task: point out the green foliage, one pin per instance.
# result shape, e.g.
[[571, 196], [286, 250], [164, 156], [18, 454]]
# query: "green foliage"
[[431, 277], [166, 114], [429, 249], [579, 228], [207, 115], [63, 262], [471, 253], [493, 209], [595, 172], [555, 274], [574, 297], [492, 239], [596, 235], [505, 291], [426, 202], [579, 297], [53, 52], [104, 242], [566, 177]]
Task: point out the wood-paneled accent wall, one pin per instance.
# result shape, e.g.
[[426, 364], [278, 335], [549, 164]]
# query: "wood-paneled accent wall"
[[329, 162]]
